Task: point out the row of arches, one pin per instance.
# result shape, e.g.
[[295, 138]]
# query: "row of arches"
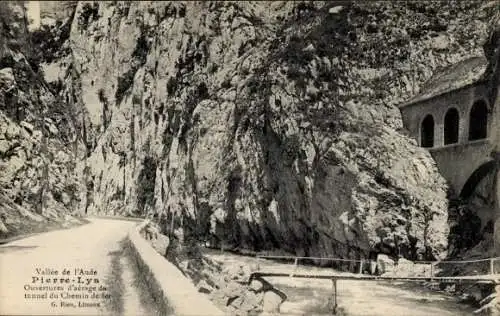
[[478, 125]]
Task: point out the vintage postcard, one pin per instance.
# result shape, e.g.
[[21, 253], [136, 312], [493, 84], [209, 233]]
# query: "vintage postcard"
[[250, 158]]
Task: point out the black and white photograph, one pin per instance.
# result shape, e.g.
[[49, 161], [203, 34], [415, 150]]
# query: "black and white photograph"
[[250, 158]]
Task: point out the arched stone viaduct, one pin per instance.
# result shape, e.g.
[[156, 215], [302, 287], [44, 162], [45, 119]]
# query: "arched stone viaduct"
[[458, 127]]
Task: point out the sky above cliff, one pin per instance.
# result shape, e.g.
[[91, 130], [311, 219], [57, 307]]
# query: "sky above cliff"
[[33, 12]]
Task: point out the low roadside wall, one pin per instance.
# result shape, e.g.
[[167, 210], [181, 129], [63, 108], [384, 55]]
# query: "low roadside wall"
[[121, 218], [173, 287]]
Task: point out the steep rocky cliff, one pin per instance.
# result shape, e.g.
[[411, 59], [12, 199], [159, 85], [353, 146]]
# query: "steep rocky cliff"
[[261, 125], [37, 164]]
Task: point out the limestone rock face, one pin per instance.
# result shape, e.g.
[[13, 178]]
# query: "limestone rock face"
[[38, 173], [56, 10], [261, 125], [296, 141]]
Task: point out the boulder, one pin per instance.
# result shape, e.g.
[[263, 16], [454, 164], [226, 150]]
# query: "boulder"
[[235, 301], [250, 301], [160, 244], [233, 289], [230, 270], [256, 285], [239, 273], [422, 269], [405, 267], [219, 298], [272, 302], [384, 264], [204, 287]]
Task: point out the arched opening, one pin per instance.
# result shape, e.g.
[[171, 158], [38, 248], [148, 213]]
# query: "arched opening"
[[427, 132], [474, 210], [475, 178], [451, 124], [478, 121]]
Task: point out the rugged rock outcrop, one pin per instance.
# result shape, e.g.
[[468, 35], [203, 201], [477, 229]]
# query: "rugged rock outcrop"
[[263, 125], [37, 164]]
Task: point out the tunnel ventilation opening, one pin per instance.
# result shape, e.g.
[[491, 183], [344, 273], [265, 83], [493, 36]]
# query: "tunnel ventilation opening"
[[427, 132], [478, 121], [451, 124]]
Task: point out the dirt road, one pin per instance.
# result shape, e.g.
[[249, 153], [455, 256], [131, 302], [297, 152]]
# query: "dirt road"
[[79, 271]]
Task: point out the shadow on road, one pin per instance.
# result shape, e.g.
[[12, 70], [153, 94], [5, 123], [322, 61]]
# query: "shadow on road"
[[16, 248], [131, 292], [114, 281]]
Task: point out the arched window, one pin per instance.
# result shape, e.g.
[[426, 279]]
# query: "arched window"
[[451, 124], [427, 132], [478, 121]]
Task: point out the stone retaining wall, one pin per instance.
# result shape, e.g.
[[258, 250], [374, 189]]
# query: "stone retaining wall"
[[172, 286]]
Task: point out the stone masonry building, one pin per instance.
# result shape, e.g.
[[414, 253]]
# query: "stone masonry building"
[[455, 118]]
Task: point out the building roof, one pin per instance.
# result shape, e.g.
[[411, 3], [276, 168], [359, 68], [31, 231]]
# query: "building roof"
[[453, 77]]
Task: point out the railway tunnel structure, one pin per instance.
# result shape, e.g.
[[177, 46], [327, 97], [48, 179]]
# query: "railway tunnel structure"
[[456, 119]]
